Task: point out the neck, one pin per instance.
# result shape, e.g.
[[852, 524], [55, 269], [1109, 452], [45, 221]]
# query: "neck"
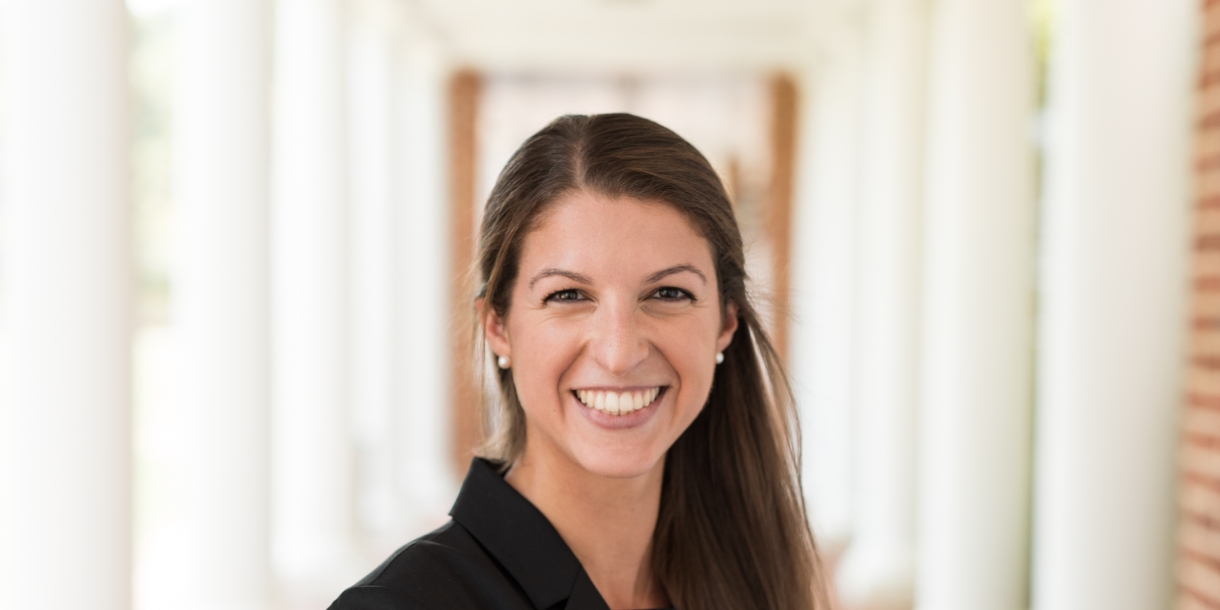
[[607, 522]]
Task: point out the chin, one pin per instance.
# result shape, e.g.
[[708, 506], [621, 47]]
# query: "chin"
[[619, 462]]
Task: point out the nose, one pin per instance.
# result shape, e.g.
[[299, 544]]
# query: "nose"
[[619, 343]]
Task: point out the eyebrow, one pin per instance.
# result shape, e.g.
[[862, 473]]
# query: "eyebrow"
[[584, 279], [675, 269], [552, 272]]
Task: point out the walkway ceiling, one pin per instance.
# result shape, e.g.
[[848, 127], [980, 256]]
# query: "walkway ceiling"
[[636, 36]]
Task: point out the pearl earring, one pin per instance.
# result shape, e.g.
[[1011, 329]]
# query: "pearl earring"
[[502, 362], [719, 357]]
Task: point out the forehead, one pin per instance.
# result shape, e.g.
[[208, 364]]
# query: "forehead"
[[590, 230]]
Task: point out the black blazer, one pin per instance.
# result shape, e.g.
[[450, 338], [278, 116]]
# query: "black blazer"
[[497, 553]]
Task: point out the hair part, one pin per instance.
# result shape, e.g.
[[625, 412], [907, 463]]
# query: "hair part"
[[731, 531]]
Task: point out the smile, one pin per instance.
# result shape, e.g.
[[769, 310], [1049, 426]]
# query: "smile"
[[617, 403]]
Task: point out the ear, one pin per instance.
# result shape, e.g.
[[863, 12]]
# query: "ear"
[[494, 330], [728, 326]]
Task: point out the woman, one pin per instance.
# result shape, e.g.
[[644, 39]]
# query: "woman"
[[644, 446]]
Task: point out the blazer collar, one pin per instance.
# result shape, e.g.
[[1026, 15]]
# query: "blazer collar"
[[521, 539]]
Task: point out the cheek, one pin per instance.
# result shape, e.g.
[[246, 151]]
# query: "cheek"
[[691, 349], [541, 355]]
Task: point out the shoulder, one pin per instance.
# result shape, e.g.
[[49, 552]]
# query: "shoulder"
[[444, 569]]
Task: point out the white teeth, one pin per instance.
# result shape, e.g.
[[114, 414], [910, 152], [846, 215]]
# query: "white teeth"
[[617, 403]]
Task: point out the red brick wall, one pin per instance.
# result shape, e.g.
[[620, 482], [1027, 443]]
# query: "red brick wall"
[[1199, 532]]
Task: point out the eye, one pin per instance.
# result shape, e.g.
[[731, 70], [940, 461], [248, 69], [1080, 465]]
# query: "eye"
[[671, 294], [566, 295]]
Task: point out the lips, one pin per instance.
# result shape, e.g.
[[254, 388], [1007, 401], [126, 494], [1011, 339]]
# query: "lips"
[[617, 403]]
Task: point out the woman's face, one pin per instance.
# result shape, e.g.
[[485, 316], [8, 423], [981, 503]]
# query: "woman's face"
[[612, 331]]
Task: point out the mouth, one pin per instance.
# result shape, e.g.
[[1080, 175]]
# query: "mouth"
[[618, 403]]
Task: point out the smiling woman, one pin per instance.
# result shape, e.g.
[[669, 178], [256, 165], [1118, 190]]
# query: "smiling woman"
[[645, 450], [622, 305]]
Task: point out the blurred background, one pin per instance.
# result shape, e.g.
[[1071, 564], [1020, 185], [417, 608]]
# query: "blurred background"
[[234, 234]]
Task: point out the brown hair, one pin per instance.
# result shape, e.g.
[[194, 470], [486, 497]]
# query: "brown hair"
[[732, 531]]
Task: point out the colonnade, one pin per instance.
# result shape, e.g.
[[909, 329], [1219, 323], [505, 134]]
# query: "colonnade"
[[977, 318], [1014, 382], [982, 373], [877, 565], [65, 313], [309, 283], [1112, 339], [220, 299], [824, 270], [307, 188]]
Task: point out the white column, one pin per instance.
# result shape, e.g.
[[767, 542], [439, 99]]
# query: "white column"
[[65, 307], [373, 304], [824, 284], [425, 480], [312, 501], [878, 568], [1113, 284], [219, 299], [978, 311]]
